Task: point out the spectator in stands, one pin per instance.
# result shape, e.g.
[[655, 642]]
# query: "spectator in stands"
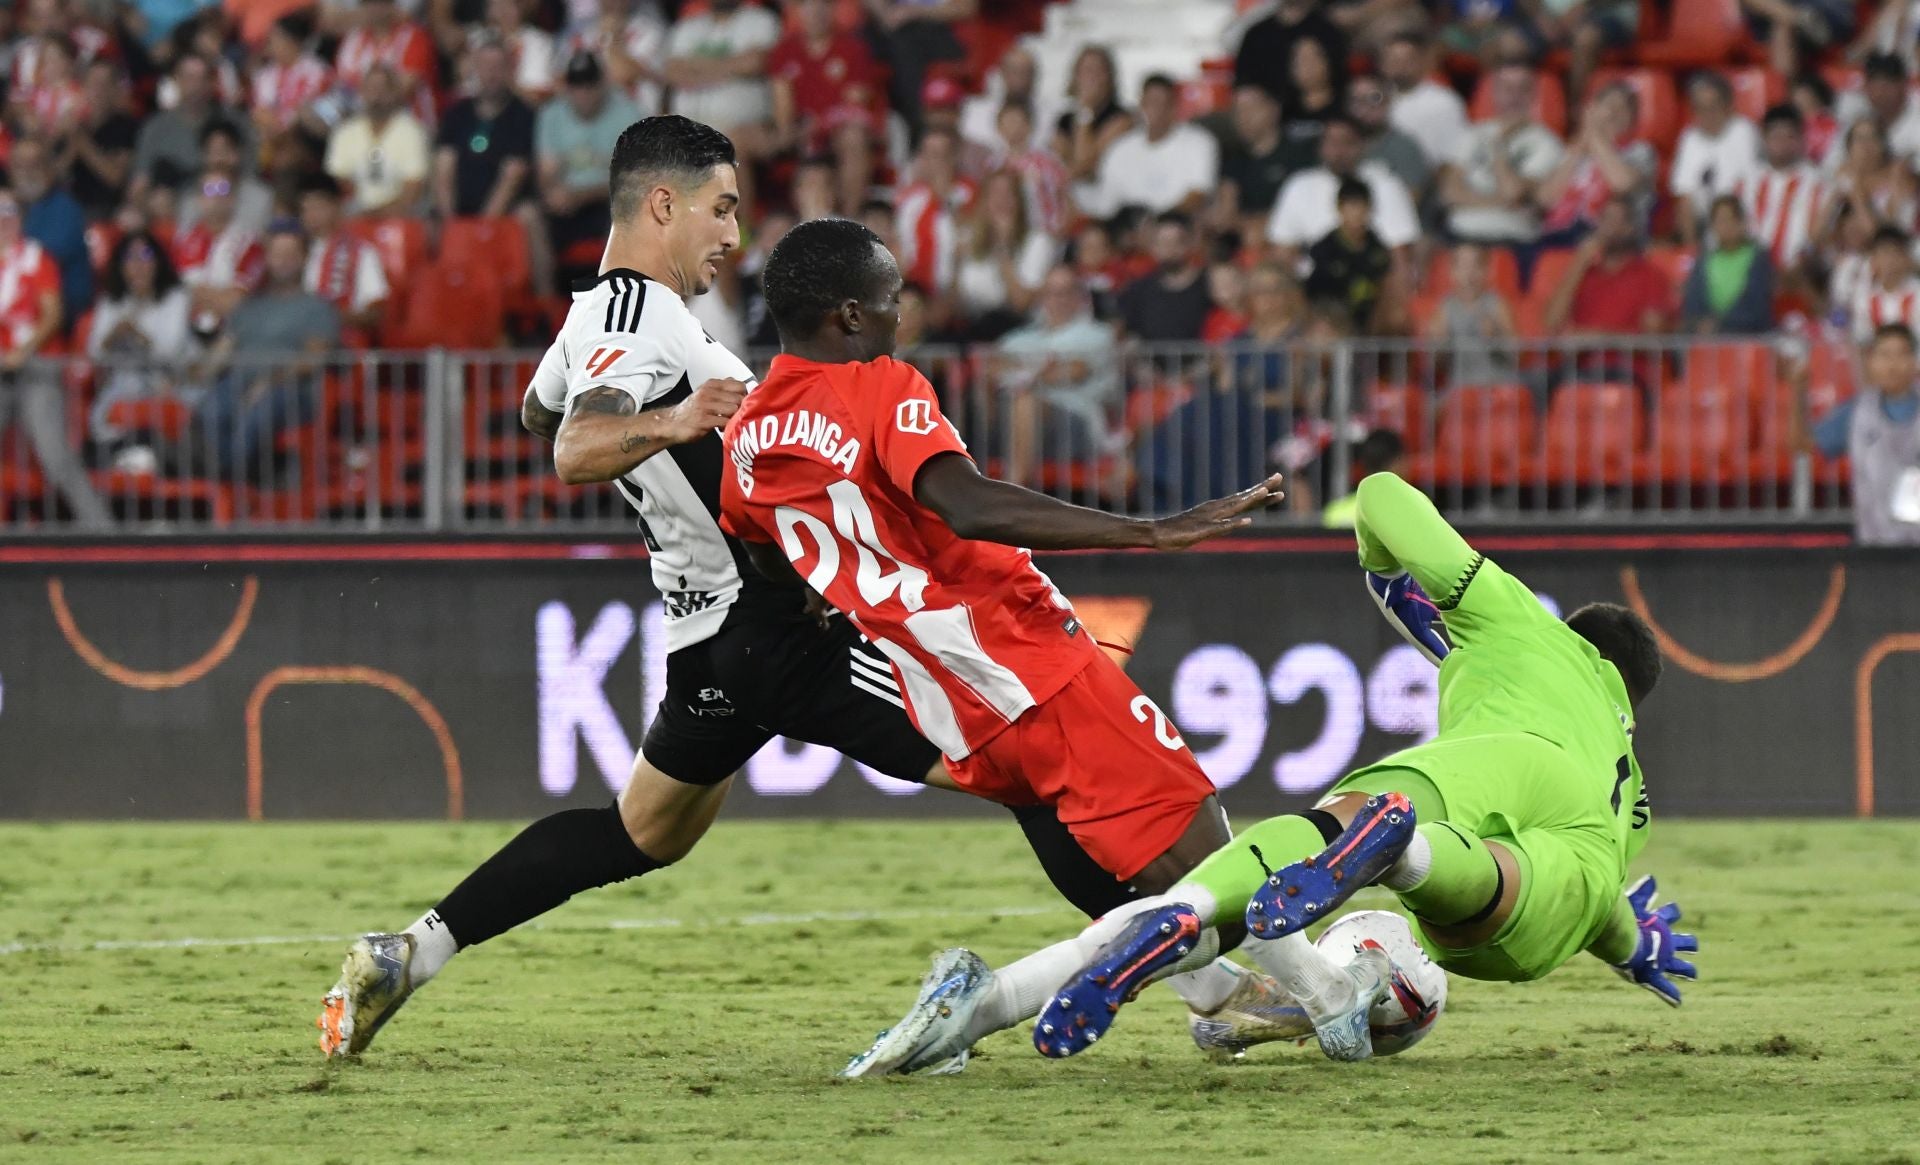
[[1786, 198], [1003, 260], [1061, 376], [1307, 209], [223, 151], [265, 363], [206, 36], [1798, 30], [717, 66], [383, 155], [1473, 324], [1351, 268], [483, 157], [1094, 120], [1873, 181], [1266, 52], [1487, 29], [876, 214], [1849, 263], [573, 137], [1491, 188], [1717, 149], [1014, 81], [1101, 267], [828, 100], [141, 332], [1729, 292], [52, 218], [1810, 94], [30, 320], [1172, 303], [1369, 107], [1612, 289], [1041, 173], [1427, 111], [918, 34], [1891, 105], [96, 158], [812, 191], [1254, 168], [1878, 430], [1891, 293], [1227, 292], [1380, 451], [940, 100], [1604, 160], [630, 38], [927, 213], [53, 105], [167, 151], [288, 88], [1317, 98], [1587, 29], [1166, 164], [530, 50], [383, 36], [220, 263], [342, 269]]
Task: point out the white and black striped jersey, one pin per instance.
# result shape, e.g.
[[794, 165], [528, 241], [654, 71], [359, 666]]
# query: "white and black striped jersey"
[[629, 332]]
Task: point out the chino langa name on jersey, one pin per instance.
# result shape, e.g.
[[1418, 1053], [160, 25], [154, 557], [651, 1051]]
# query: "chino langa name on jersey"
[[815, 431]]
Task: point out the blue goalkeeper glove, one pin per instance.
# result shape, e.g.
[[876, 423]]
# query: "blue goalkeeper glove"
[[1410, 611], [1658, 953]]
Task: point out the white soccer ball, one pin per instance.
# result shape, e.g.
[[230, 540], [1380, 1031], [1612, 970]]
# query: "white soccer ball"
[[1418, 991]]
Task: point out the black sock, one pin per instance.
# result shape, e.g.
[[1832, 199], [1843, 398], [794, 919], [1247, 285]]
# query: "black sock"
[[545, 864], [1080, 879]]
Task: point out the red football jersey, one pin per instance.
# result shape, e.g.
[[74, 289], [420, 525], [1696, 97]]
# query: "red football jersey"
[[822, 459]]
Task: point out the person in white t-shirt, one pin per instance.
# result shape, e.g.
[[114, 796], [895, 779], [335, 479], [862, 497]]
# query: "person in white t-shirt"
[[1424, 109], [1307, 210], [1885, 99], [716, 64], [1165, 164], [1014, 81], [1003, 258], [1717, 150], [1488, 186]]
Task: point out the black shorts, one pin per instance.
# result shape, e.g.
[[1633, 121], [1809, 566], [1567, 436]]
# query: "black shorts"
[[763, 677]]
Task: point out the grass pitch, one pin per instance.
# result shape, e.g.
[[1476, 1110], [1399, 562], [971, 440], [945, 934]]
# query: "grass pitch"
[[699, 1014]]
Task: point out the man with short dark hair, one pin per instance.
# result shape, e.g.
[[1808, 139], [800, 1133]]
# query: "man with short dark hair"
[[1164, 164], [1352, 268], [167, 152], [1786, 196], [1170, 305], [1717, 149], [1886, 98], [341, 268], [1878, 430], [484, 153], [1308, 205], [1254, 169], [1265, 57], [223, 155], [1424, 109]]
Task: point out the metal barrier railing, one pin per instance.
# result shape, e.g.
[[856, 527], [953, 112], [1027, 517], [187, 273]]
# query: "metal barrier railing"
[[1616, 429]]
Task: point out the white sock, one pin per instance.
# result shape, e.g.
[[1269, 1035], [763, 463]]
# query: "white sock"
[[1020, 989], [1305, 972], [1196, 896], [1206, 989], [1412, 866], [433, 946]]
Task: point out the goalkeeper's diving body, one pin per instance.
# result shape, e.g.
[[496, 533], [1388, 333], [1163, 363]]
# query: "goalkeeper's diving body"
[[1507, 836]]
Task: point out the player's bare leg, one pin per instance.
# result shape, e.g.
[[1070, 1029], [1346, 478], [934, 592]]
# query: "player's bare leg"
[[656, 822]]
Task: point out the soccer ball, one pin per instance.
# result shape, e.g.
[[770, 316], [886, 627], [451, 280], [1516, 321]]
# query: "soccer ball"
[[1418, 991]]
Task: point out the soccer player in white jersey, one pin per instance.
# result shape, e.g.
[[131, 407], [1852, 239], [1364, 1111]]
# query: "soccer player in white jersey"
[[632, 392]]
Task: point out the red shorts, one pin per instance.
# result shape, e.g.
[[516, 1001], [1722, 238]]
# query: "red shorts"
[[1111, 764]]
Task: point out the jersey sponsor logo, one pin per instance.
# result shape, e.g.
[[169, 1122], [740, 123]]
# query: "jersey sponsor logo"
[[680, 604], [916, 417], [603, 359]]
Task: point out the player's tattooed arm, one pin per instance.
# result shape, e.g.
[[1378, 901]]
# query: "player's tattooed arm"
[[980, 507], [537, 418], [606, 433]]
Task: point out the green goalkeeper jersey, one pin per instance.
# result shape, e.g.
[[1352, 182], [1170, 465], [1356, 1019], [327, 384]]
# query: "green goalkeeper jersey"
[[1514, 668]]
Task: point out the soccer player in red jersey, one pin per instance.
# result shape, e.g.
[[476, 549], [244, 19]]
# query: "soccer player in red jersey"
[[842, 469]]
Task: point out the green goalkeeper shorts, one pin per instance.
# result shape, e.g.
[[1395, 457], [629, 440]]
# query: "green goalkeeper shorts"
[[1527, 794]]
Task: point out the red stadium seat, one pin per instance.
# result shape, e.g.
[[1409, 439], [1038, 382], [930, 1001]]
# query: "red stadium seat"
[[1503, 274], [447, 307], [1483, 438], [1402, 408], [1755, 90], [1675, 262], [1702, 33], [1549, 101], [402, 243], [1660, 117], [1593, 433], [1703, 434], [489, 248]]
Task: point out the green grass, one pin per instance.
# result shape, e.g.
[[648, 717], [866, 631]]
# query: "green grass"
[[716, 1038]]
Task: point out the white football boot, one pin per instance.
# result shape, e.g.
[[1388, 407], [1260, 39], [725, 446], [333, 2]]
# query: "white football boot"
[[374, 981], [929, 1038]]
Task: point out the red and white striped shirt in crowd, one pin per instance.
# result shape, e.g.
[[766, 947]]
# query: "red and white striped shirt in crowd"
[[89, 44], [218, 261], [346, 272], [54, 109], [927, 227], [408, 49], [1878, 306], [1785, 208], [27, 274], [282, 91], [1046, 182]]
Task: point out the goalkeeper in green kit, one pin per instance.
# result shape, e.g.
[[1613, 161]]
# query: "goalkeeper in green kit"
[[1507, 836]]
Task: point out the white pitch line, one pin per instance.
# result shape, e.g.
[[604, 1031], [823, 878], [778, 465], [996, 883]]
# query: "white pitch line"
[[818, 916]]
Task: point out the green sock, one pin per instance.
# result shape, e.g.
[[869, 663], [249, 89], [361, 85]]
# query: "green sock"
[[1461, 880], [1232, 874]]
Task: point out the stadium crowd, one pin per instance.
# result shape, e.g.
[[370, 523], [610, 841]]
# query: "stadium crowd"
[[187, 182]]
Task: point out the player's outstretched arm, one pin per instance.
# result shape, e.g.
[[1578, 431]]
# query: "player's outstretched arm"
[[537, 418], [979, 507], [605, 433], [1398, 529]]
